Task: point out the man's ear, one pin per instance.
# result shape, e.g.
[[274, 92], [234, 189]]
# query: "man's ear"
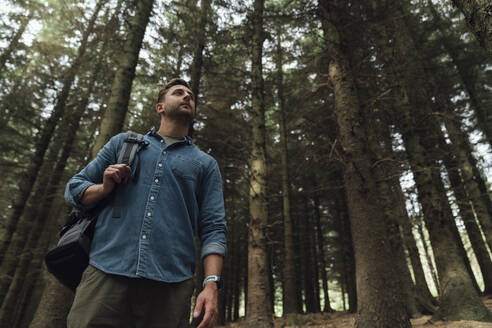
[[159, 108]]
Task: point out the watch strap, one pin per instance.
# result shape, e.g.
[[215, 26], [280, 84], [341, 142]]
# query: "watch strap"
[[213, 278]]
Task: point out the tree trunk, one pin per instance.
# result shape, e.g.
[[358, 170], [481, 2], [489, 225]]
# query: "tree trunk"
[[5, 56], [347, 251], [307, 258], [237, 275], [289, 279], [17, 230], [379, 302], [25, 279], [428, 257], [478, 15], [54, 306], [322, 258], [259, 313], [56, 299], [196, 66], [458, 300], [114, 116], [467, 75], [200, 33], [467, 216], [471, 187], [314, 262], [296, 234], [424, 295], [419, 298]]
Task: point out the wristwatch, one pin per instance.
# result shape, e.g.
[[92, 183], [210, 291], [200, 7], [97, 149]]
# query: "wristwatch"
[[215, 279]]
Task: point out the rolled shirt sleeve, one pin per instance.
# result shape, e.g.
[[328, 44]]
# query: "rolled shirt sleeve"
[[212, 224], [93, 173]]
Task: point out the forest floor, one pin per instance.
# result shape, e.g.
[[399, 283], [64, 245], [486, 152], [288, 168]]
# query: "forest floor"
[[346, 320]]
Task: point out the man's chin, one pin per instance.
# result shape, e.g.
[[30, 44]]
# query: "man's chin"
[[182, 116]]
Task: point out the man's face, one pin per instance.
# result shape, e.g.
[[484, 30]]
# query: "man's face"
[[178, 104]]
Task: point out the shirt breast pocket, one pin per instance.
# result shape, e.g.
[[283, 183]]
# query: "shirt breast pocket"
[[185, 168]]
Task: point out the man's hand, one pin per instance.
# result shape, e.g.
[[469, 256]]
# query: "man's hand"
[[114, 174], [207, 300]]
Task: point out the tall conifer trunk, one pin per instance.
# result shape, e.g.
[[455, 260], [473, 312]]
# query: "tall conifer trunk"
[[460, 145], [259, 311], [459, 299], [114, 116], [42, 143], [27, 272], [196, 66], [467, 213], [56, 299], [467, 74], [345, 241], [379, 300], [320, 243], [289, 279]]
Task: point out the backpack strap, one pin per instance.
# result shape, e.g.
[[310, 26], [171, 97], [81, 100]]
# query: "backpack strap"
[[131, 146]]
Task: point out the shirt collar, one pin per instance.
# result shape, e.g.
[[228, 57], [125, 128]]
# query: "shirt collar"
[[153, 133]]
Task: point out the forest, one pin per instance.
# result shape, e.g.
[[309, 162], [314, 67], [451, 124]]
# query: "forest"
[[354, 140]]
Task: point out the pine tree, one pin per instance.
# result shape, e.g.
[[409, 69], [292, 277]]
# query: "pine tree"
[[259, 313], [372, 251]]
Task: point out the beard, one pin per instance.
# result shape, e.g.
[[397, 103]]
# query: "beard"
[[174, 112]]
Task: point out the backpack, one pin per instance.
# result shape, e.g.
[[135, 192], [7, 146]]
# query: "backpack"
[[68, 260]]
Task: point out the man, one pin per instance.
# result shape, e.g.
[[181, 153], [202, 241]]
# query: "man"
[[141, 264]]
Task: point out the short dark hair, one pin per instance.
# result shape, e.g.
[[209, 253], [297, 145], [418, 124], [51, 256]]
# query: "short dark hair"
[[165, 88]]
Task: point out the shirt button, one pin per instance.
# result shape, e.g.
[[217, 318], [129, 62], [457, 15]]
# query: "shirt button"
[[144, 236], [160, 164], [162, 140], [164, 152], [156, 180], [149, 214], [152, 197]]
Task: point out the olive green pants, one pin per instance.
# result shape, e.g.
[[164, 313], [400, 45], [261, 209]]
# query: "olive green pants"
[[104, 300]]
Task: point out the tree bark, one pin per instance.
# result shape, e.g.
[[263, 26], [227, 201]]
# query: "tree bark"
[[314, 261], [320, 242], [379, 302], [460, 145], [54, 306], [428, 257], [114, 116], [196, 66], [467, 214], [307, 258], [289, 282], [259, 312], [424, 295], [345, 241], [459, 300]]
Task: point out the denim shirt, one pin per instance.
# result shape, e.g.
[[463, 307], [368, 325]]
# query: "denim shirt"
[[172, 194]]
